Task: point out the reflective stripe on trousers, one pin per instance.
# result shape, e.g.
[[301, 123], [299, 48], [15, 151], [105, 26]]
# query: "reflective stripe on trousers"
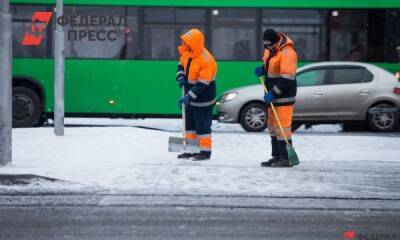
[[191, 135], [198, 123], [205, 142]]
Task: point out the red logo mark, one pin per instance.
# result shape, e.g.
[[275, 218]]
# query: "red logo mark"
[[40, 20], [349, 235]]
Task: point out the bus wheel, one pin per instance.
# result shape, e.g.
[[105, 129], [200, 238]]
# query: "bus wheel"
[[27, 107]]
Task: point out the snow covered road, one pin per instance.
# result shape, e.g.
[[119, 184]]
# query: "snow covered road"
[[128, 160]]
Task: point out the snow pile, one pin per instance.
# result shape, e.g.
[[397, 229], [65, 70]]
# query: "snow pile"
[[135, 160]]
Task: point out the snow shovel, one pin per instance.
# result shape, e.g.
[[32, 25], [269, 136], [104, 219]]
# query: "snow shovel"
[[176, 144], [292, 155]]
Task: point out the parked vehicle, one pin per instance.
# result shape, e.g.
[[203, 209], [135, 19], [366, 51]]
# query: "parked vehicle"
[[109, 76], [328, 92]]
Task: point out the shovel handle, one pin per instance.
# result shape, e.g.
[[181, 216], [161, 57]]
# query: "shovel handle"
[[183, 119]]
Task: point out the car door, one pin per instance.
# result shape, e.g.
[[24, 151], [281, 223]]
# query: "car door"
[[349, 87], [311, 93]]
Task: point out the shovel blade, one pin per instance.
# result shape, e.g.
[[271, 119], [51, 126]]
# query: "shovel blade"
[[176, 144]]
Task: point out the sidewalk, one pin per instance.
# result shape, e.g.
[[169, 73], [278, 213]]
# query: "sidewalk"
[[127, 160]]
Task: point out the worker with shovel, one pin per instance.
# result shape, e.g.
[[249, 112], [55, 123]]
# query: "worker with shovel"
[[279, 70], [196, 75]]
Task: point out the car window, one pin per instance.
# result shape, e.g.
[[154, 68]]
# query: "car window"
[[311, 78], [350, 75]]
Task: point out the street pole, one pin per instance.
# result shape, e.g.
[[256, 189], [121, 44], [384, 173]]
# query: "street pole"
[[59, 73], [5, 83]]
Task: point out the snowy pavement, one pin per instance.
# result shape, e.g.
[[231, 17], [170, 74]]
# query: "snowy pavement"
[[130, 160]]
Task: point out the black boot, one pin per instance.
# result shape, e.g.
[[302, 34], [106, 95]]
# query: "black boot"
[[281, 163], [275, 153], [271, 161], [202, 156], [283, 156], [186, 155]]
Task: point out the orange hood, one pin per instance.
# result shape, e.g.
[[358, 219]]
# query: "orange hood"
[[284, 41], [195, 40]]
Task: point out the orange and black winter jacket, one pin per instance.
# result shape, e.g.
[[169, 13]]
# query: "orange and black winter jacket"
[[199, 68], [280, 67]]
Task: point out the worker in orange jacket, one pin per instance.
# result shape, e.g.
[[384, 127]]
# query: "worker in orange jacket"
[[196, 73], [279, 69]]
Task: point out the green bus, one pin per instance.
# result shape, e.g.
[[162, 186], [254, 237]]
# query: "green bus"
[[131, 71]]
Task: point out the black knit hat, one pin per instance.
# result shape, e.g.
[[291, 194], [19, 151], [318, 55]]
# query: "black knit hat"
[[270, 37]]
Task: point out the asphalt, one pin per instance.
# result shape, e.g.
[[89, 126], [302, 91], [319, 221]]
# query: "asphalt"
[[95, 216], [110, 216]]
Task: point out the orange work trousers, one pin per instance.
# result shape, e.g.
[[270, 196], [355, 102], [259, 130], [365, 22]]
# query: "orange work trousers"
[[285, 115]]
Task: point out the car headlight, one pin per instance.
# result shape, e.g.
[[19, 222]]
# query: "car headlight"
[[228, 97]]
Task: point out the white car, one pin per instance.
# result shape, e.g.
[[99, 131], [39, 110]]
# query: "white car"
[[328, 92]]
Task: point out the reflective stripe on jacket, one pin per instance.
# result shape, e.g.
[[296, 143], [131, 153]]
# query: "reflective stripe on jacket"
[[280, 76]]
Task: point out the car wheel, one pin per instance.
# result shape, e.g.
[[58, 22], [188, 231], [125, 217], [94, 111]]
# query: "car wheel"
[[382, 120], [253, 117], [26, 107]]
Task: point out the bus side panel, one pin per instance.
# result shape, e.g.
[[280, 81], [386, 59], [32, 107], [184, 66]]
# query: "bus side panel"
[[128, 86], [141, 87], [39, 70]]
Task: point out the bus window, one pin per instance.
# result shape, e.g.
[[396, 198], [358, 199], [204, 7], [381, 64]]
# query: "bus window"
[[159, 42], [112, 46], [163, 28], [348, 34], [159, 15], [132, 50], [392, 36], [189, 16], [305, 27], [383, 35], [234, 34], [22, 23]]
